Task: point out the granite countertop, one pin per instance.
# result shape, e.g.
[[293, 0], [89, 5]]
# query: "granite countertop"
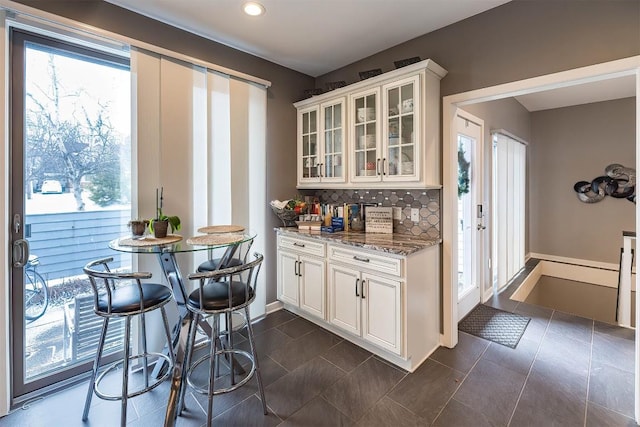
[[398, 244]]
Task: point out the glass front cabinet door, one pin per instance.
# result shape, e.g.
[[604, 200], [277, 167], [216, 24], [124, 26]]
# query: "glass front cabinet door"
[[309, 150], [333, 141], [401, 130], [366, 159], [321, 143]]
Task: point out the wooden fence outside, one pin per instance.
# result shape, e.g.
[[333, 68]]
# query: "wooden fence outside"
[[65, 242]]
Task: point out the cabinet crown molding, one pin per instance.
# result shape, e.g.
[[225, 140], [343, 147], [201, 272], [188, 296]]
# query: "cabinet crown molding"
[[428, 64]]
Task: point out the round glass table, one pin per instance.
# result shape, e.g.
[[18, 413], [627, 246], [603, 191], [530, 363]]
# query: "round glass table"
[[166, 249]]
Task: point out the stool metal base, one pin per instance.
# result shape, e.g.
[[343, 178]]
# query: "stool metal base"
[[206, 357], [148, 387]]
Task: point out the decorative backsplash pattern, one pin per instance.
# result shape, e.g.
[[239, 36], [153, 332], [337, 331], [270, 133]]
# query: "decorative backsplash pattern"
[[428, 201]]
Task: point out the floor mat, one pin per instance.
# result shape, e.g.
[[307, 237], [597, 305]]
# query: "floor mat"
[[495, 325]]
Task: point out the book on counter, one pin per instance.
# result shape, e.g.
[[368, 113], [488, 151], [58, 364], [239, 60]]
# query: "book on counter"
[[337, 224]]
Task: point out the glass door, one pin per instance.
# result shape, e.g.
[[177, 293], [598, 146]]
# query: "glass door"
[[401, 132], [367, 164], [470, 215], [333, 147], [70, 195], [310, 166]]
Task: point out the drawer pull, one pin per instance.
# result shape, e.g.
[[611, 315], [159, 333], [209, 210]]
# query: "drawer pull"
[[357, 258], [300, 245], [357, 280]]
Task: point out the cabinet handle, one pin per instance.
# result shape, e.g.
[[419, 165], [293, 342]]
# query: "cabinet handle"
[[321, 170], [357, 258], [357, 280], [383, 161], [300, 245], [378, 167], [295, 268], [362, 288], [318, 170], [300, 268]]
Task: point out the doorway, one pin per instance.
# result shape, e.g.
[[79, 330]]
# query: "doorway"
[[566, 83], [471, 214], [70, 195]]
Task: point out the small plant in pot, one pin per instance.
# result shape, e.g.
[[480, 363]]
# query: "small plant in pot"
[[161, 223], [138, 226]]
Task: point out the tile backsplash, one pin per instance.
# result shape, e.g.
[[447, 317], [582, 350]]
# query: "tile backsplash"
[[428, 201]]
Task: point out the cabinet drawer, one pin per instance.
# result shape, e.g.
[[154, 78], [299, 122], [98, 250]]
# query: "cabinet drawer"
[[366, 260], [301, 245]]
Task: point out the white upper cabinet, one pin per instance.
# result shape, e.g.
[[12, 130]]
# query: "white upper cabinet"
[[383, 132], [321, 143]]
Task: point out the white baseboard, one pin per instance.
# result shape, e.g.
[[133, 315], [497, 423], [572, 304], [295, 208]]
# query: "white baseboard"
[[575, 261], [273, 307], [592, 272], [528, 283]]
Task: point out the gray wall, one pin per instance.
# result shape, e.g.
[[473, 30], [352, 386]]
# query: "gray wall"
[[287, 87], [576, 144], [520, 39]]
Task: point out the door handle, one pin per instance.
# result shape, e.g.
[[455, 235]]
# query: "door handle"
[[20, 253], [357, 280]]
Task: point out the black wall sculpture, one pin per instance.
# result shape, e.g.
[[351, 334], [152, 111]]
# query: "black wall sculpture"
[[618, 182]]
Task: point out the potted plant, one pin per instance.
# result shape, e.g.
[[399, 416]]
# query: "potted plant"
[[138, 226], [161, 223]]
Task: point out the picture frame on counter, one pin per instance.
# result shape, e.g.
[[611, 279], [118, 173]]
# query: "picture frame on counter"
[[378, 220]]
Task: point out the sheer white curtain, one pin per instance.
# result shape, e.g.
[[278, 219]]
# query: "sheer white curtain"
[[201, 136], [509, 190]]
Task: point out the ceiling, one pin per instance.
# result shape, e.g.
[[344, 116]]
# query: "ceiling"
[[318, 36], [601, 90], [311, 36]]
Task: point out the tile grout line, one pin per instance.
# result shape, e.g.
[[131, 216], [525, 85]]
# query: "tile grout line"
[[530, 369], [586, 403], [462, 381]]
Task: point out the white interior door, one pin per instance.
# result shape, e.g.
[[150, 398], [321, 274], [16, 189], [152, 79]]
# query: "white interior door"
[[471, 213]]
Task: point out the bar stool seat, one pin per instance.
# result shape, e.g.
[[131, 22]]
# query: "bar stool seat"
[[215, 296], [117, 295]]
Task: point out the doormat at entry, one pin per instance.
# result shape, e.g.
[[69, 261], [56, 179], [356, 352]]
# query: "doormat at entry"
[[495, 325]]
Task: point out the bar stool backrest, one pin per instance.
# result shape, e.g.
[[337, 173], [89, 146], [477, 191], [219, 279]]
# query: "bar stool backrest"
[[105, 282]]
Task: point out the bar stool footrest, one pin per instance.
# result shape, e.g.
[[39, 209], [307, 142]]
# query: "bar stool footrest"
[[166, 359], [205, 390]]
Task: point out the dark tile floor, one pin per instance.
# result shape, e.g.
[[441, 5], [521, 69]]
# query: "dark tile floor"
[[565, 371]]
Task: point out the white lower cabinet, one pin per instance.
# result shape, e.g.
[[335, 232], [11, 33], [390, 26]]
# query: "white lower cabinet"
[[388, 304], [301, 281], [366, 305]]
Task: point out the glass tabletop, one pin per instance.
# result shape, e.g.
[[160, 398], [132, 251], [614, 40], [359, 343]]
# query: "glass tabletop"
[[151, 245]]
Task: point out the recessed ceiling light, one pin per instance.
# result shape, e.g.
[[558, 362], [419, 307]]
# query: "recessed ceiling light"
[[253, 8]]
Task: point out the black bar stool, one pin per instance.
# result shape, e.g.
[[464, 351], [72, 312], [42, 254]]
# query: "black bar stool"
[[222, 292], [117, 295]]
